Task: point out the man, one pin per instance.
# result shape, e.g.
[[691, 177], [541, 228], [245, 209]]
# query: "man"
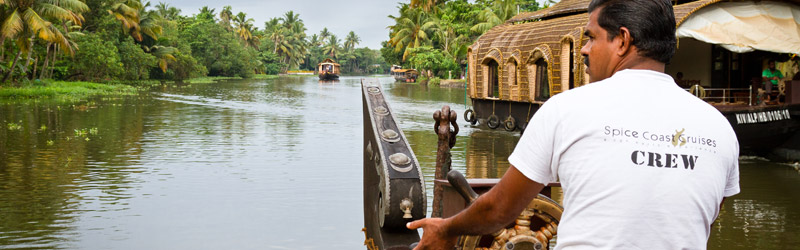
[[679, 80], [643, 164], [771, 76]]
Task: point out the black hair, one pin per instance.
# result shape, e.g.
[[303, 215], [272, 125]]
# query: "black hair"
[[650, 22]]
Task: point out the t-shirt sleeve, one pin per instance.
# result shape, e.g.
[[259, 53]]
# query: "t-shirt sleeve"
[[779, 74], [765, 73], [732, 185], [533, 155]]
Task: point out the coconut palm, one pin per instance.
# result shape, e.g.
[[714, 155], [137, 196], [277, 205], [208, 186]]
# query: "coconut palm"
[[426, 5], [164, 54], [292, 21], [67, 45], [225, 17], [127, 12], [27, 19], [150, 23], [315, 41], [206, 13], [351, 41], [332, 47], [324, 34], [272, 25], [278, 38], [411, 30], [167, 12], [500, 11], [243, 26]]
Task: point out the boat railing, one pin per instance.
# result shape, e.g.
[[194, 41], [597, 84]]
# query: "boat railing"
[[724, 95]]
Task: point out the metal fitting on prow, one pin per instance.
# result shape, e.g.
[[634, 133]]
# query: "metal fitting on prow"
[[406, 205]]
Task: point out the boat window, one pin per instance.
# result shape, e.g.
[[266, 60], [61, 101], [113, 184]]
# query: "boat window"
[[512, 73], [494, 86], [567, 65], [542, 86]]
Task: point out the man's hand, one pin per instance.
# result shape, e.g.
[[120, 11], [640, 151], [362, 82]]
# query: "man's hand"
[[435, 234]]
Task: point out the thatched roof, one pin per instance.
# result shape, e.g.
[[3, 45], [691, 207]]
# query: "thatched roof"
[[567, 7], [564, 7], [404, 70], [328, 61], [506, 39]]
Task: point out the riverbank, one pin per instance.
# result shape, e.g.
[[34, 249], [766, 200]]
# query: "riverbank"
[[79, 90], [65, 90]]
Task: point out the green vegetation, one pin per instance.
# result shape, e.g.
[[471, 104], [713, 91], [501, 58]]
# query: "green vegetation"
[[130, 41], [432, 36], [71, 90]]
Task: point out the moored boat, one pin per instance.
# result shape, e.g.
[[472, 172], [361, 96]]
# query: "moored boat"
[[723, 48], [328, 70]]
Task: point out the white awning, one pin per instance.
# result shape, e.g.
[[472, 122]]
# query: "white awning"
[[746, 26]]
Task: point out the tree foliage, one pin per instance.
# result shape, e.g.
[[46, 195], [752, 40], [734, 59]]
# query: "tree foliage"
[[438, 30], [132, 40]]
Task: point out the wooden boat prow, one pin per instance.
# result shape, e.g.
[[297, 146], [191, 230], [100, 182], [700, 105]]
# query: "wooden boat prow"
[[394, 187]]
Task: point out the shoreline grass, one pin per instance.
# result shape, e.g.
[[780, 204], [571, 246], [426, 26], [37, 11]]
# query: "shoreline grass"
[[66, 90], [81, 90]]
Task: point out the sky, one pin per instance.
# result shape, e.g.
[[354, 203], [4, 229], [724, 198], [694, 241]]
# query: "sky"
[[367, 18]]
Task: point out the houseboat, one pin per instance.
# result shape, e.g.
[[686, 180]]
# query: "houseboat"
[[328, 70], [404, 75], [723, 47]]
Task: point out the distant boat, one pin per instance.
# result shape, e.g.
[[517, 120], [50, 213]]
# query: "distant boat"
[[404, 75], [328, 70]]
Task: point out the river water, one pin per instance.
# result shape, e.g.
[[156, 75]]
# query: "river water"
[[261, 164]]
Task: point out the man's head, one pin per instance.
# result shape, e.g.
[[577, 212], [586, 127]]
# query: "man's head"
[[771, 64], [624, 33]]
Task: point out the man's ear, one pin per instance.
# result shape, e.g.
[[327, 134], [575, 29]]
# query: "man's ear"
[[625, 41]]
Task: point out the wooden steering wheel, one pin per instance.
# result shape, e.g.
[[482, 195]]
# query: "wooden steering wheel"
[[534, 229]]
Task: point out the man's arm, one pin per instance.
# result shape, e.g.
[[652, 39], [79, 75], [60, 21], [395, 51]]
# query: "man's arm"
[[490, 212]]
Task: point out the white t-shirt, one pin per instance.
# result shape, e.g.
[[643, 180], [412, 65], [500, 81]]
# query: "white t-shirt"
[[627, 183]]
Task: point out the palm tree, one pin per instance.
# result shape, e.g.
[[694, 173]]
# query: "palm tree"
[[127, 12], [164, 54], [500, 11], [150, 23], [272, 25], [206, 13], [410, 31], [27, 19], [291, 20], [136, 19], [66, 45], [351, 41], [332, 47], [278, 38], [243, 27], [324, 34], [315, 41], [426, 5], [225, 17], [167, 12]]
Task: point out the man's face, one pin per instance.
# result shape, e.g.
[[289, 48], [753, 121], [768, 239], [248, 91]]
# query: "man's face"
[[771, 65], [599, 53]]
